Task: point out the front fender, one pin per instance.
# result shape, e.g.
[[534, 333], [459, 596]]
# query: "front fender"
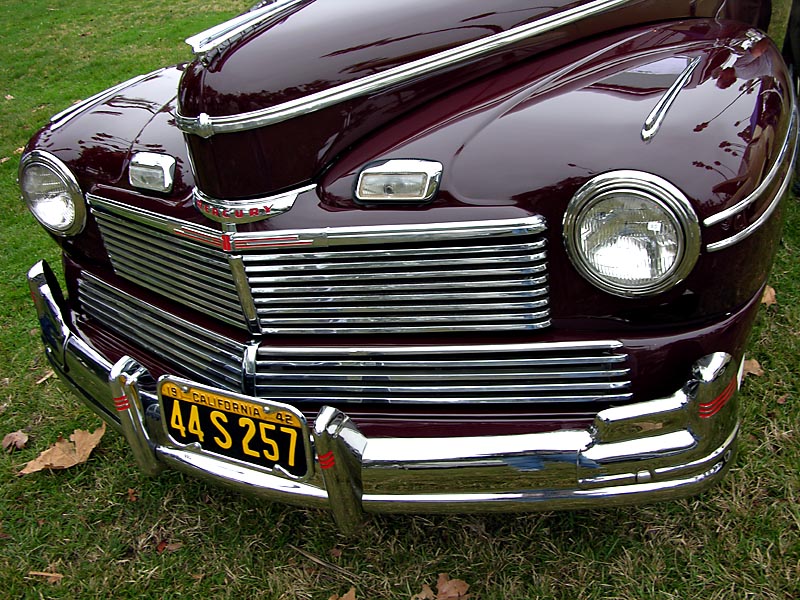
[[704, 104]]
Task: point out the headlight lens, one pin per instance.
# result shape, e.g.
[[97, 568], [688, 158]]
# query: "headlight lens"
[[52, 193], [399, 180], [632, 233]]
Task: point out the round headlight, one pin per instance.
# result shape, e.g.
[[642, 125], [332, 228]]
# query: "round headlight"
[[52, 193], [632, 233]]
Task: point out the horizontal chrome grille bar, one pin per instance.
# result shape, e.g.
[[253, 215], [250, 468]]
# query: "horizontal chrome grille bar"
[[195, 351], [183, 271], [519, 373], [496, 282], [459, 276]]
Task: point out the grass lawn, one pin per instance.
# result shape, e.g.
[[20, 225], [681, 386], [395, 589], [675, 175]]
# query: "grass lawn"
[[109, 532]]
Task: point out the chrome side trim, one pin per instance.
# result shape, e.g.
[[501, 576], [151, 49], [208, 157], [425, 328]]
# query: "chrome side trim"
[[789, 144], [654, 120], [205, 42], [750, 229], [65, 116], [247, 211], [206, 126]]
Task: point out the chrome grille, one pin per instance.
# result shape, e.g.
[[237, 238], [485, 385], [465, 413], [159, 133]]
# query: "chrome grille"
[[436, 287], [566, 372], [515, 373], [186, 272], [470, 276], [195, 351]]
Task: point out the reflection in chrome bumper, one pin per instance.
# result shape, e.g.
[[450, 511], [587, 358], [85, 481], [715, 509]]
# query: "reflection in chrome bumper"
[[663, 448]]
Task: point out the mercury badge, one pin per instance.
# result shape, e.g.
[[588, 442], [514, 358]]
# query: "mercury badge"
[[246, 211]]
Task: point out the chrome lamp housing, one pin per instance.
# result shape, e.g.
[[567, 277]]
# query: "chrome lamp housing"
[[52, 193], [632, 233]]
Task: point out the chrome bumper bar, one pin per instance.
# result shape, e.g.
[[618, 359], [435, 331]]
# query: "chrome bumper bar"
[[663, 448]]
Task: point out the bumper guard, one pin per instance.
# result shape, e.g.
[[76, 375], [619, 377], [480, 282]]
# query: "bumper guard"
[[659, 449]]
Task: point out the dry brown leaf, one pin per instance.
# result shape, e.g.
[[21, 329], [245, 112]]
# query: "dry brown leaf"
[[132, 495], [51, 577], [15, 439], [751, 367], [450, 589], [783, 399], [65, 454], [46, 376], [768, 297], [425, 594], [19, 150], [336, 552], [165, 546], [5, 159], [350, 595]]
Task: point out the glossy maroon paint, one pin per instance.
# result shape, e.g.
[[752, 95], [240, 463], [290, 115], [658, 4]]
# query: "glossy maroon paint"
[[326, 43], [517, 142]]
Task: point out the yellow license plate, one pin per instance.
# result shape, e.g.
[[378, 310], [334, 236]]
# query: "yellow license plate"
[[251, 430]]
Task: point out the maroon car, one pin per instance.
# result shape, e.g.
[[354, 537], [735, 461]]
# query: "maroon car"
[[415, 256]]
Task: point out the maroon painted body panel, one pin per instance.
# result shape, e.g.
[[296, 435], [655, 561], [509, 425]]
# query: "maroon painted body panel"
[[357, 39], [518, 133]]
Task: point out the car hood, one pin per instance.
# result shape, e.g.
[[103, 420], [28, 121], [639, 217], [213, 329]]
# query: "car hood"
[[269, 103]]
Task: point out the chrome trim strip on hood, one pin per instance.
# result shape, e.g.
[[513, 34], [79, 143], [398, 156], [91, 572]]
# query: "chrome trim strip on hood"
[[205, 125], [211, 39]]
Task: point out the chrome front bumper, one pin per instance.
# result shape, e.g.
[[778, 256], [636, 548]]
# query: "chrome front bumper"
[[664, 448]]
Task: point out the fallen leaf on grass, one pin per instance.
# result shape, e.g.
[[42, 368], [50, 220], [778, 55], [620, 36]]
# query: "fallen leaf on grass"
[[46, 376], [425, 594], [51, 577], [15, 439], [336, 552], [782, 399], [165, 546], [132, 496], [350, 595], [65, 454], [450, 589], [19, 150], [3, 160], [768, 297], [9, 97], [751, 367]]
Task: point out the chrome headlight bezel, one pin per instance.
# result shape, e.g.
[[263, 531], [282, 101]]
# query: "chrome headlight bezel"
[[74, 198], [647, 187]]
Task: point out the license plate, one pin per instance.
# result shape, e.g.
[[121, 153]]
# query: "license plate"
[[263, 433]]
